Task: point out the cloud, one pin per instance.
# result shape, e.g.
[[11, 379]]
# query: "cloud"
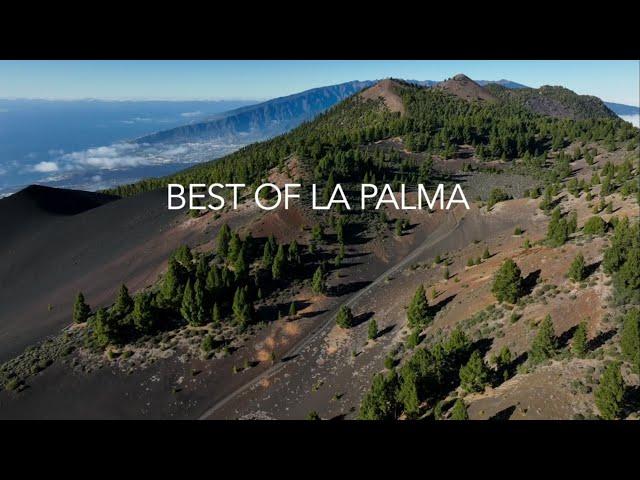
[[125, 155], [191, 114], [45, 167], [633, 119]]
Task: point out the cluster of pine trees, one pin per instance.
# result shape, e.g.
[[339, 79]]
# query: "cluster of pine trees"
[[426, 378], [199, 288]]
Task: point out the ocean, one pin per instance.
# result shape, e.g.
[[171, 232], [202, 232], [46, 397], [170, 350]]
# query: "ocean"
[[86, 143]]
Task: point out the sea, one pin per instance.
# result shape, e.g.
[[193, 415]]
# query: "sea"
[[87, 144]]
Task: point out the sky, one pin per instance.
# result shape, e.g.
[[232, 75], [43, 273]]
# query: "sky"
[[613, 81]]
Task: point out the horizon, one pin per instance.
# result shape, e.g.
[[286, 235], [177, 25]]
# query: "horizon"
[[175, 81]]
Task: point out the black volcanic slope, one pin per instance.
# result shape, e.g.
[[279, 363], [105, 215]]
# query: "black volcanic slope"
[[48, 200], [48, 254]]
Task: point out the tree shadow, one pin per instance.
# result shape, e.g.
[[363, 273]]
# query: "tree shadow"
[[441, 304], [591, 269], [600, 339], [530, 282], [345, 289], [357, 254], [564, 337], [269, 313], [362, 318], [289, 357], [386, 330], [631, 399], [483, 345], [312, 314], [504, 414]]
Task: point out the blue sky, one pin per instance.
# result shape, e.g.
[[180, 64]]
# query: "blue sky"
[[615, 81]]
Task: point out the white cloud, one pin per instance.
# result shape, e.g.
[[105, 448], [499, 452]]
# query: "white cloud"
[[191, 114], [45, 167], [121, 156], [633, 119]]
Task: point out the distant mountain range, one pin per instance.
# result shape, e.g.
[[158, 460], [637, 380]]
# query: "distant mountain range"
[[264, 120], [274, 117]]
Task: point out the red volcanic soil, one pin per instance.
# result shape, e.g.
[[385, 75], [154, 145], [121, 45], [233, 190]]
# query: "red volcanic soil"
[[384, 90], [463, 87]]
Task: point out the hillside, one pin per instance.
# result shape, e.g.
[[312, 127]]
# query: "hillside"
[[350, 314], [261, 121], [463, 87], [558, 102]]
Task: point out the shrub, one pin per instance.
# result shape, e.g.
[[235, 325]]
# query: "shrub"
[[496, 195]]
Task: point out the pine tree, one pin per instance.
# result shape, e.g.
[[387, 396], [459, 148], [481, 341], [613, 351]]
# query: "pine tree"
[[267, 256], [102, 328], [188, 306], [577, 270], [398, 227], [610, 392], [545, 344], [124, 302], [143, 313], [216, 316], [172, 287], [292, 310], [240, 265], [418, 311], [184, 256], [459, 411], [199, 317], [344, 318], [242, 308], [318, 284], [474, 376], [380, 402], [224, 235], [630, 338], [279, 261], [235, 245], [557, 231], [507, 284], [81, 310], [486, 253], [579, 340], [294, 254], [373, 329]]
